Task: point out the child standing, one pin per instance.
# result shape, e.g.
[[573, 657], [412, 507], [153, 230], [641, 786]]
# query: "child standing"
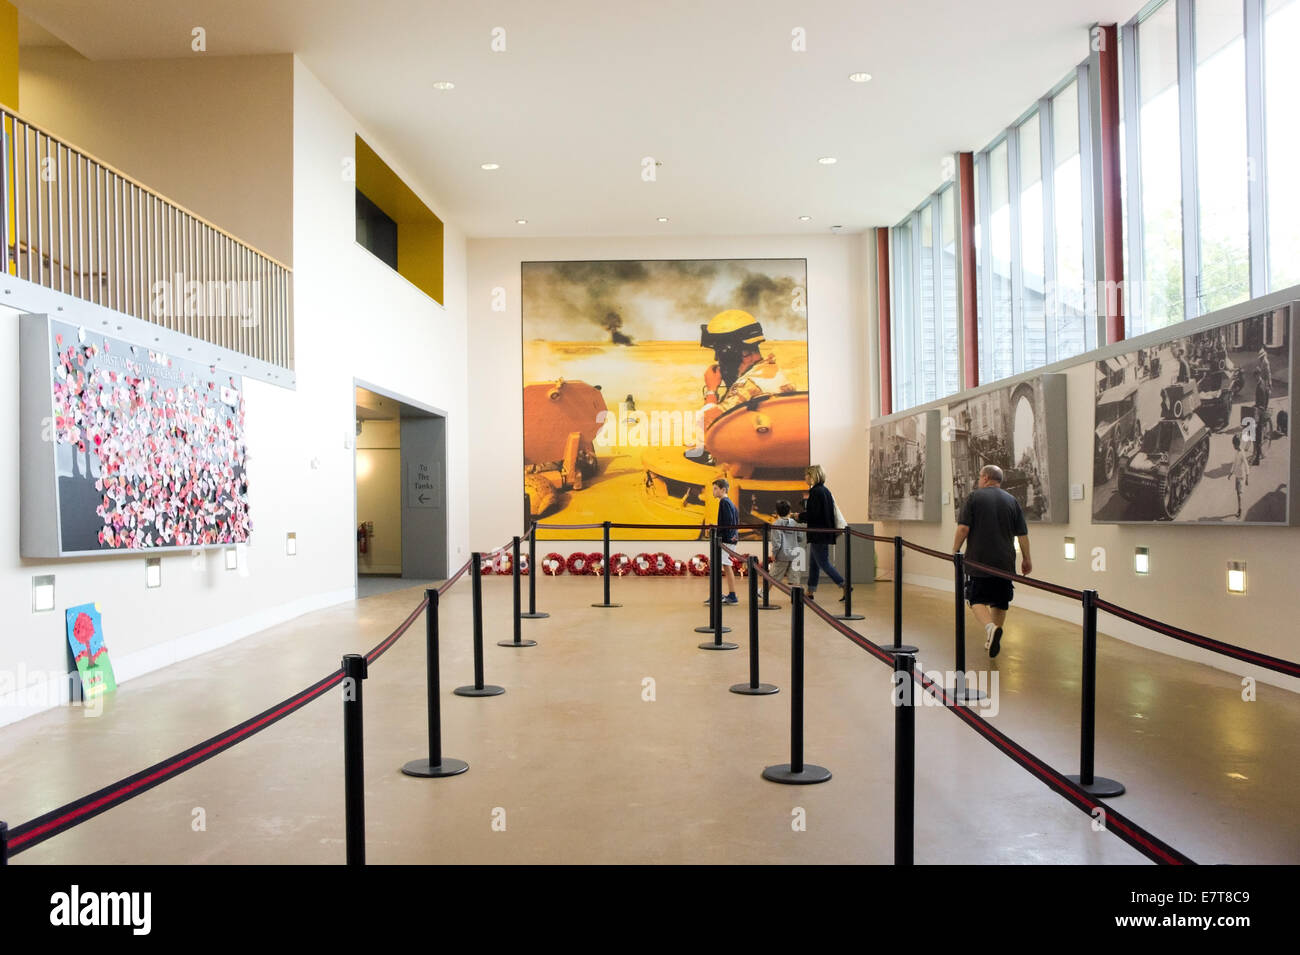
[[1240, 471], [789, 548]]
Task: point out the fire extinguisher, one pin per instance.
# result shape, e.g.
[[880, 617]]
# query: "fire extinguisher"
[[361, 538]]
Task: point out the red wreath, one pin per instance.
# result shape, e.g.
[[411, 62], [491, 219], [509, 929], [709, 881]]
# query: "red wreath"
[[578, 564], [739, 566], [485, 565], [643, 565], [524, 566], [679, 568], [505, 564], [595, 564], [698, 565], [620, 564], [553, 564]]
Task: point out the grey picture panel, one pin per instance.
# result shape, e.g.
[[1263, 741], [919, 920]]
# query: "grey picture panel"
[[1196, 429], [904, 475], [1012, 428], [126, 449]]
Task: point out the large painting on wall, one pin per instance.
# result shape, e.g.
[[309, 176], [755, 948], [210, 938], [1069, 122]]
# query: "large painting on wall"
[[904, 458], [1012, 427], [127, 449], [1195, 430], [646, 380]]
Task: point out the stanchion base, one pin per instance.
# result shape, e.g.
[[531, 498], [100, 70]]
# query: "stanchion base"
[[521, 643], [428, 770], [1100, 786], [533, 616], [724, 645], [710, 630], [607, 605], [811, 774], [769, 606], [763, 689], [905, 648], [472, 690], [965, 694], [849, 616]]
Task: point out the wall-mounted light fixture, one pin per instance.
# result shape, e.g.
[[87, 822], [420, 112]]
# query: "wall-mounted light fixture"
[[43, 593], [232, 559], [153, 572], [1069, 548], [1236, 576], [291, 544], [1141, 560]]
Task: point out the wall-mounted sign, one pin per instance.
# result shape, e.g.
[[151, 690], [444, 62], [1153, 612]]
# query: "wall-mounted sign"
[[423, 484]]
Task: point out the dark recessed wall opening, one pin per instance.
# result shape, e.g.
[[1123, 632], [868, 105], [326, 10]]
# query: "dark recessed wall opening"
[[376, 231]]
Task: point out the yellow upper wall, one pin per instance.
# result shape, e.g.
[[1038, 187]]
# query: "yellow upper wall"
[[419, 231], [8, 54]]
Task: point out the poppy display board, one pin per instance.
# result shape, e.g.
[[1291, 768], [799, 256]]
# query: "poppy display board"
[[646, 380], [125, 449]]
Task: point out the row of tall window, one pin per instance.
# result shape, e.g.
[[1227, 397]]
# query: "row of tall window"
[[1211, 214]]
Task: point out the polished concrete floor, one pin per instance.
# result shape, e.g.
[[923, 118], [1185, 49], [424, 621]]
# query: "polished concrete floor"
[[575, 765]]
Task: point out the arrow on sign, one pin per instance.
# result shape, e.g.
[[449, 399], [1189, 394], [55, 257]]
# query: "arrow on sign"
[[422, 499]]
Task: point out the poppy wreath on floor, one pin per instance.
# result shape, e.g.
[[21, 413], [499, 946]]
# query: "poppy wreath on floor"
[[620, 564], [553, 564], [505, 564], [485, 565], [596, 563], [668, 565], [739, 566], [524, 566], [661, 564], [698, 565], [578, 564], [643, 565], [679, 568]]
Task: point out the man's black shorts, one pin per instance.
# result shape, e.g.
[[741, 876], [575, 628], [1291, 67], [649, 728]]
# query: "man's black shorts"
[[993, 591]]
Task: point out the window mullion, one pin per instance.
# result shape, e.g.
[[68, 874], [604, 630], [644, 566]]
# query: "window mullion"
[[1256, 152], [1135, 276], [1187, 150], [1047, 160], [1017, 272]]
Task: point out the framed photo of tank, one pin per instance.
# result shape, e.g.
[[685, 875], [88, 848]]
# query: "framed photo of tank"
[[644, 381], [1011, 427], [1196, 429], [904, 477]]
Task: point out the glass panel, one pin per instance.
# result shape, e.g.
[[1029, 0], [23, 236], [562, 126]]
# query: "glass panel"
[[1281, 95], [1221, 167], [1162, 197], [948, 299], [1033, 310], [1067, 205], [982, 318], [927, 319], [902, 320], [1000, 260]]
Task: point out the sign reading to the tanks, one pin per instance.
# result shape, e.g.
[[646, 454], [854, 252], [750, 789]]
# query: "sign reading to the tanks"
[[645, 381], [904, 479], [423, 489], [1011, 427], [1195, 430]]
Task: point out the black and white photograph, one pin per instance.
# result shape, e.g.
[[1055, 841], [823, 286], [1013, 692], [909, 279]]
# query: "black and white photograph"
[[1196, 429], [904, 482], [1010, 427]]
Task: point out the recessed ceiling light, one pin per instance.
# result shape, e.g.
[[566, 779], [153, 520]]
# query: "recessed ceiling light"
[[662, 219], [449, 85], [805, 218], [521, 222], [859, 77], [828, 160], [490, 165]]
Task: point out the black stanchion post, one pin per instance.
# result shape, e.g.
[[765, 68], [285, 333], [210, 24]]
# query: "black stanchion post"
[[960, 691], [715, 604], [606, 574], [437, 765], [1093, 785], [476, 590], [796, 771], [354, 781], [767, 584], [848, 613], [904, 758], [899, 646], [753, 687], [715, 590], [515, 582], [533, 571]]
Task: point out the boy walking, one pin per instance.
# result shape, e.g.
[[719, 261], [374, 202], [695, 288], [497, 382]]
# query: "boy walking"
[[1240, 471], [728, 533], [789, 548]]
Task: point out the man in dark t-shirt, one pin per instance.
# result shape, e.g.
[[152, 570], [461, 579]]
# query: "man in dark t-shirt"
[[989, 523]]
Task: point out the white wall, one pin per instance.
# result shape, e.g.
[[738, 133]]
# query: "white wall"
[[355, 318], [837, 365]]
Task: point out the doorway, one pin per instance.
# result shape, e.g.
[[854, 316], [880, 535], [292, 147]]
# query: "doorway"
[[400, 495]]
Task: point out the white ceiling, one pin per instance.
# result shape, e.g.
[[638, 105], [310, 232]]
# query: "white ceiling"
[[587, 88]]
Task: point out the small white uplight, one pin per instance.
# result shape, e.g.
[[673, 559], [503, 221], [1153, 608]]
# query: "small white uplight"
[[291, 544], [1069, 548], [661, 219], [1141, 560], [43, 593], [828, 160], [805, 218], [444, 85], [232, 559], [489, 166], [521, 222], [153, 572], [1236, 576]]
